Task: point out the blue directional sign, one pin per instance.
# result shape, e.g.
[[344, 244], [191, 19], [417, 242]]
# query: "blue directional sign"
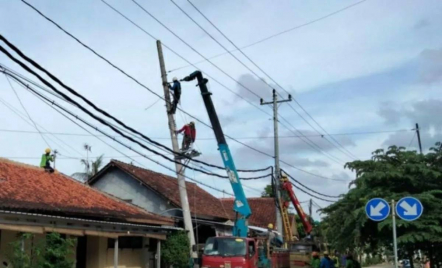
[[377, 209], [409, 208]]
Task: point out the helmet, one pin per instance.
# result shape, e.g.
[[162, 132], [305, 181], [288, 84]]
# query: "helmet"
[[48, 150], [325, 252], [192, 123], [270, 226], [175, 79], [284, 177]]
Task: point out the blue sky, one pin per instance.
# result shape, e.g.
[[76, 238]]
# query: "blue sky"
[[374, 67]]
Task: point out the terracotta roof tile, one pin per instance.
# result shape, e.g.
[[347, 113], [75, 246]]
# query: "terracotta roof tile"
[[201, 202], [263, 210], [31, 189]]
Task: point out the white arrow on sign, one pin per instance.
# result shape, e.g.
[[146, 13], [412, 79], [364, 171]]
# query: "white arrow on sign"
[[409, 210], [375, 211]]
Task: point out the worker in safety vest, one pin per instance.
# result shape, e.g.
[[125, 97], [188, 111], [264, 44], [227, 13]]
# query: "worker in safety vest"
[[189, 135], [176, 93], [46, 158], [315, 262], [285, 198]]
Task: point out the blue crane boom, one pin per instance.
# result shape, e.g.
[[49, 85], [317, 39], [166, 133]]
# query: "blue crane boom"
[[241, 206]]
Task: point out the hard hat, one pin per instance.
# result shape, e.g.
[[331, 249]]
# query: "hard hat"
[[192, 123], [48, 150], [174, 79], [270, 226], [284, 177], [325, 252]]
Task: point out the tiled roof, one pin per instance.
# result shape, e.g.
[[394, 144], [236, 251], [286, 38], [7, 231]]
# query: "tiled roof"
[[201, 202], [263, 210], [27, 188]]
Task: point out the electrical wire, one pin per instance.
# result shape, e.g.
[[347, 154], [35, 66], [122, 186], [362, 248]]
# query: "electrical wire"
[[53, 103], [36, 65], [256, 65], [142, 85], [304, 191], [412, 139], [303, 185], [26, 111], [277, 34], [209, 139], [94, 106]]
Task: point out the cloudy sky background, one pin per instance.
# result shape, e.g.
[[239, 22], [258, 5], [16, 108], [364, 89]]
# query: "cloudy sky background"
[[374, 67]]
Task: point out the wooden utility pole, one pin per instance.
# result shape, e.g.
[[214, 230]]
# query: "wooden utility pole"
[[275, 102], [179, 168]]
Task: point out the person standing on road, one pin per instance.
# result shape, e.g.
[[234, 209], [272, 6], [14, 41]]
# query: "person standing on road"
[[326, 262]]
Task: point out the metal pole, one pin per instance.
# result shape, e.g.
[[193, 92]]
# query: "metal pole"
[[419, 137], [158, 254], [393, 208], [277, 168], [178, 167], [310, 209], [116, 253]]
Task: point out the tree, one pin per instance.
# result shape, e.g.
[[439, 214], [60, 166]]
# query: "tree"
[[175, 251], [90, 169], [390, 174], [268, 191]]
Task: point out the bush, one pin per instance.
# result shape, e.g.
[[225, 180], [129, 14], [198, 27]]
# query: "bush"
[[54, 252], [176, 250]]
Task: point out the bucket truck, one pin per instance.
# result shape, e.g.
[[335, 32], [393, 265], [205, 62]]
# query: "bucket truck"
[[237, 251]]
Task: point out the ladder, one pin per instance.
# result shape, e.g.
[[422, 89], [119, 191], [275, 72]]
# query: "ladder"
[[288, 232]]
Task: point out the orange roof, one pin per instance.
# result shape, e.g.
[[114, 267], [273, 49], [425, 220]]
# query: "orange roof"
[[201, 202], [263, 210], [28, 188]]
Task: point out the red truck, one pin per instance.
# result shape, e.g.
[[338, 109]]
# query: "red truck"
[[238, 252]]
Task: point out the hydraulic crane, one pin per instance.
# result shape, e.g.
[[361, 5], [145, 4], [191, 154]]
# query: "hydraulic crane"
[[287, 190], [241, 206], [238, 251]]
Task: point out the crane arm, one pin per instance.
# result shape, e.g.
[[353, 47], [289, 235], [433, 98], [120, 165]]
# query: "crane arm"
[[287, 186], [241, 206]]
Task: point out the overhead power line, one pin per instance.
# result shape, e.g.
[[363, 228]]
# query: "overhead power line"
[[36, 65], [209, 139], [93, 115], [142, 85], [52, 103], [343, 150], [277, 34], [307, 141], [310, 189]]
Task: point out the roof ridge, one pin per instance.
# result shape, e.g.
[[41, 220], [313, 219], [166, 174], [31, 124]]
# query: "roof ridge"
[[6, 160], [150, 170]]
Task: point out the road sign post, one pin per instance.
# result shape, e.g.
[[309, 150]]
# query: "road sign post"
[[393, 215], [407, 208]]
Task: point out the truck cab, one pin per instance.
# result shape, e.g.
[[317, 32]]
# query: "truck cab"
[[230, 252]]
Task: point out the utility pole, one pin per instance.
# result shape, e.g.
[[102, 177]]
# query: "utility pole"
[[418, 137], [310, 209], [179, 168], [277, 168]]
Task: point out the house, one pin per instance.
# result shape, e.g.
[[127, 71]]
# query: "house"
[[110, 232], [158, 193]]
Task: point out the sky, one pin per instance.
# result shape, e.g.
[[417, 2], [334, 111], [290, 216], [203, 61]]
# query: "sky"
[[374, 67]]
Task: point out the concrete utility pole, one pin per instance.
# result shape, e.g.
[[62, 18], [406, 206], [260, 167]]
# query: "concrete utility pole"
[[310, 209], [277, 168], [179, 168], [418, 137]]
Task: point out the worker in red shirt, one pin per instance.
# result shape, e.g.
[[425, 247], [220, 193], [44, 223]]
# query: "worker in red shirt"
[[189, 135]]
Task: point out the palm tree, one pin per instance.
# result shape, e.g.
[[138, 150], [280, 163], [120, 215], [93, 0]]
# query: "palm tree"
[[90, 169]]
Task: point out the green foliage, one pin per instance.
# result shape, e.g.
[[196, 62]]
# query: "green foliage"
[[53, 252], [58, 252], [175, 251], [390, 174], [90, 169], [268, 191]]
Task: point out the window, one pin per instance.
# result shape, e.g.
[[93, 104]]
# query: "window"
[[126, 242], [226, 247]]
